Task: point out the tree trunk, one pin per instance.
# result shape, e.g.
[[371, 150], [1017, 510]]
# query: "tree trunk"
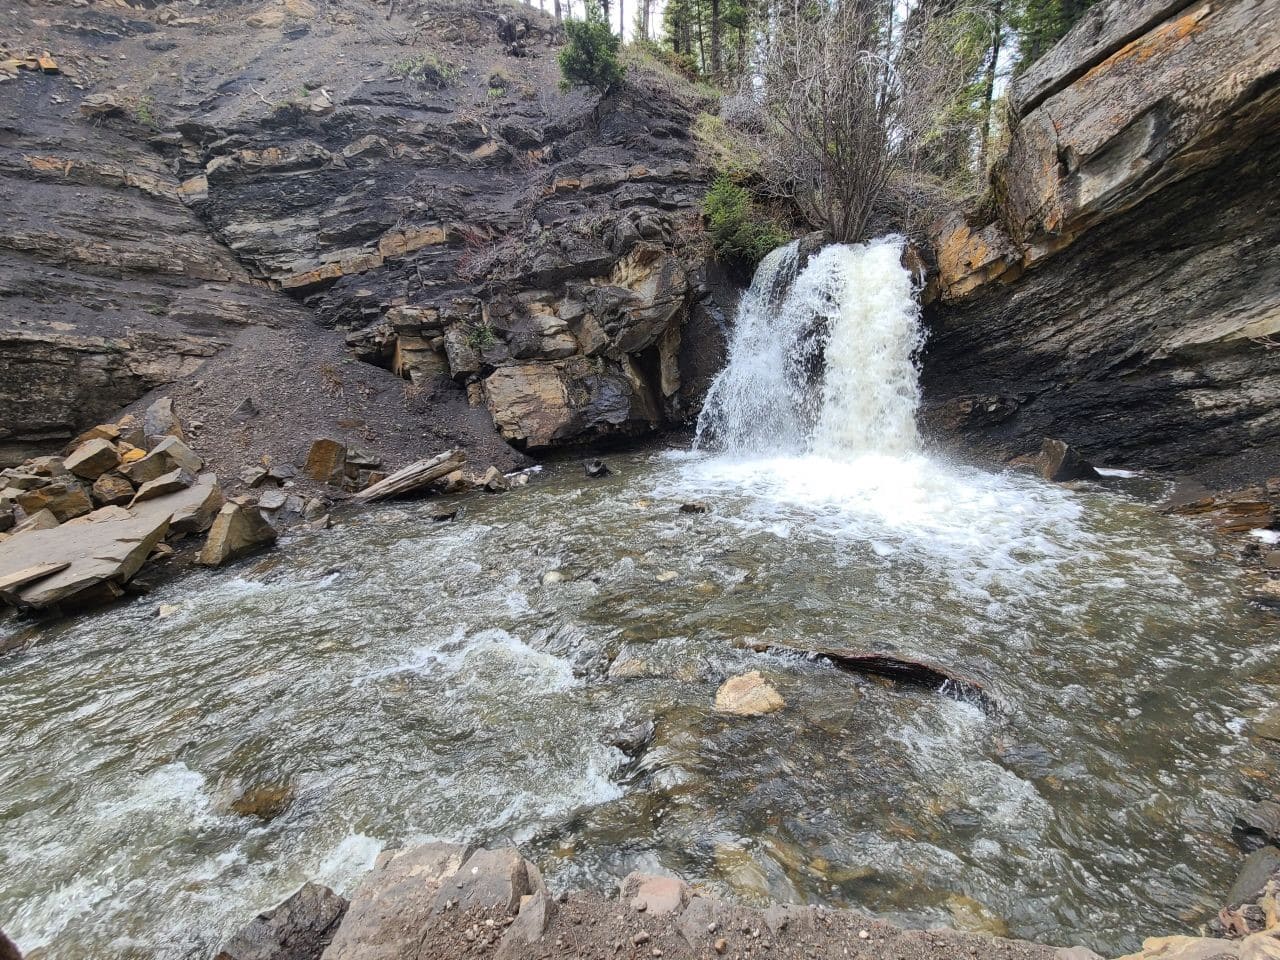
[[716, 65], [989, 87], [558, 12], [622, 21], [702, 46]]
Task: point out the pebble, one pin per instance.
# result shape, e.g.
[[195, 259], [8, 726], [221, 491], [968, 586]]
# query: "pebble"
[[721, 945], [864, 934], [640, 938]]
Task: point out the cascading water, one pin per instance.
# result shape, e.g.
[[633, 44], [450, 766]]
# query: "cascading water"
[[826, 364]]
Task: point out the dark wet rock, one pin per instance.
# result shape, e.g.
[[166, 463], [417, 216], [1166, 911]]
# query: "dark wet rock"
[[1139, 180], [1258, 825], [902, 669], [300, 928], [596, 468], [634, 739], [696, 506], [1060, 463], [8, 949], [1257, 869]]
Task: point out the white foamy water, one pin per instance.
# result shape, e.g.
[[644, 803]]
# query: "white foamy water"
[[824, 365]]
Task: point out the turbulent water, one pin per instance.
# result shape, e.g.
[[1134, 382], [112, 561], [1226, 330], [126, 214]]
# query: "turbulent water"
[[405, 680]]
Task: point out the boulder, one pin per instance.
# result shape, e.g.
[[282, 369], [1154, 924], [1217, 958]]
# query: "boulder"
[[596, 468], [1258, 868], [40, 520], [487, 879], [171, 482], [1258, 826], [64, 499], [92, 459], [111, 489], [300, 928], [193, 508], [1060, 463], [159, 421], [169, 454], [326, 461], [655, 895], [101, 550], [748, 695], [393, 902], [8, 949], [238, 529], [493, 481]]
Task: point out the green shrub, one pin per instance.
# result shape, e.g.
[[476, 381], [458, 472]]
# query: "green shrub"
[[427, 70], [590, 58], [740, 231]]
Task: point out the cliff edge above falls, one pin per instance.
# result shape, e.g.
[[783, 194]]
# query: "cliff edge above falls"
[[369, 220], [1125, 293]]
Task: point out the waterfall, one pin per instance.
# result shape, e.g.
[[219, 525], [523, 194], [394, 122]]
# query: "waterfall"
[[823, 364]]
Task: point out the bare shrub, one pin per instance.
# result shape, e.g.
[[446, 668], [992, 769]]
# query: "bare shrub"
[[850, 109]]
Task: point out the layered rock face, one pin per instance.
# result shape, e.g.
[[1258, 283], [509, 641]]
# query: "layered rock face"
[[412, 177], [1127, 295], [110, 286]]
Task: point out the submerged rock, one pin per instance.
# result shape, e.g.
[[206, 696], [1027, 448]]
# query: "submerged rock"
[[300, 928], [1258, 826], [265, 802], [596, 468], [748, 695]]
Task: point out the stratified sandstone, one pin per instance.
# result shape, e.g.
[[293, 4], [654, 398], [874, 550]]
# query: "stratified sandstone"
[[1126, 295]]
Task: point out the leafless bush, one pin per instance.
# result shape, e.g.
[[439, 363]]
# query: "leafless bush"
[[851, 107]]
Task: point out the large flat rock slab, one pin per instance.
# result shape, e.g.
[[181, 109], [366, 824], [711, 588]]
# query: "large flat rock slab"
[[91, 557]]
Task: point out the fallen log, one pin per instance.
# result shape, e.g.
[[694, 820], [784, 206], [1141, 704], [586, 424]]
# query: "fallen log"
[[414, 477], [918, 673]]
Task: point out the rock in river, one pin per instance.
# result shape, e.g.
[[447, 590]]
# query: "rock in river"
[[237, 530], [748, 695], [298, 929]]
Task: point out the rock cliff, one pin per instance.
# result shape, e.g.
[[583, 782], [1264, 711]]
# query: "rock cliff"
[[355, 179], [1124, 290]]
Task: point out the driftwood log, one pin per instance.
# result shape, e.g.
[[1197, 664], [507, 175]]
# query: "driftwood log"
[[414, 477], [918, 673]]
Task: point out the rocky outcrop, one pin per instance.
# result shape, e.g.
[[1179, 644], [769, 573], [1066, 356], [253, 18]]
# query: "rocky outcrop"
[[214, 185], [111, 286], [1126, 294]]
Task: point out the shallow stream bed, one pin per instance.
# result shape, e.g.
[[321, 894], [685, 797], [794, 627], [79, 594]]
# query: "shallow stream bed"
[[396, 679]]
